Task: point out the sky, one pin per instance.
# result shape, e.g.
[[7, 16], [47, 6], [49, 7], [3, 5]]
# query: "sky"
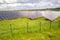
[[28, 4]]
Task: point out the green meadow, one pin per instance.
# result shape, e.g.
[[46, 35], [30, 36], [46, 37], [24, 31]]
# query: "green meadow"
[[28, 29]]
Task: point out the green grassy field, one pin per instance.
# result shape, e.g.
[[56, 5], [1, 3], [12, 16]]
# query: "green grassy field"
[[26, 29]]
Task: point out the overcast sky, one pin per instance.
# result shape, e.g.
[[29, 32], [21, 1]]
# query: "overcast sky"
[[28, 4]]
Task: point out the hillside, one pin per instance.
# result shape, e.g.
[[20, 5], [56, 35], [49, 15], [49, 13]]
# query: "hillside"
[[26, 29], [53, 9]]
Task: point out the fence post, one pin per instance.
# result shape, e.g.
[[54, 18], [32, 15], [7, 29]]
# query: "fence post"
[[58, 24], [1, 38], [40, 26], [11, 30], [50, 24]]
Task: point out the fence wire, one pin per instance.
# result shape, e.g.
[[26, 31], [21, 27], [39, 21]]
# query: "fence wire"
[[32, 28]]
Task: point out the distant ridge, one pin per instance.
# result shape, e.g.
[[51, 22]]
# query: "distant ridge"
[[47, 9], [52, 9]]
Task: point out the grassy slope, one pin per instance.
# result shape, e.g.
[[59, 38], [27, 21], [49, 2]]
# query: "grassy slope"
[[25, 29]]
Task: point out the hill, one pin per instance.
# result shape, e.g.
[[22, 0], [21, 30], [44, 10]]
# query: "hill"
[[26, 29]]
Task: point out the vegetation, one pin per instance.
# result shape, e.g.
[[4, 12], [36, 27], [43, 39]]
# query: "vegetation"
[[26, 29]]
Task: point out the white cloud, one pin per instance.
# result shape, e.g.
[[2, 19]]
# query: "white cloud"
[[3, 5], [29, 4], [1, 1], [42, 4], [59, 1], [23, 0], [24, 6], [10, 1], [12, 5]]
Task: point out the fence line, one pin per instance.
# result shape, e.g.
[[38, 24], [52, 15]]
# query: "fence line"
[[40, 27], [50, 25], [27, 27], [11, 30], [59, 24]]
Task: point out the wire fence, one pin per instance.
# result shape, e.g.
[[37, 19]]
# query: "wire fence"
[[42, 26], [37, 27]]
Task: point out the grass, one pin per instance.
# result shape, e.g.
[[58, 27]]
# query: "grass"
[[26, 29]]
